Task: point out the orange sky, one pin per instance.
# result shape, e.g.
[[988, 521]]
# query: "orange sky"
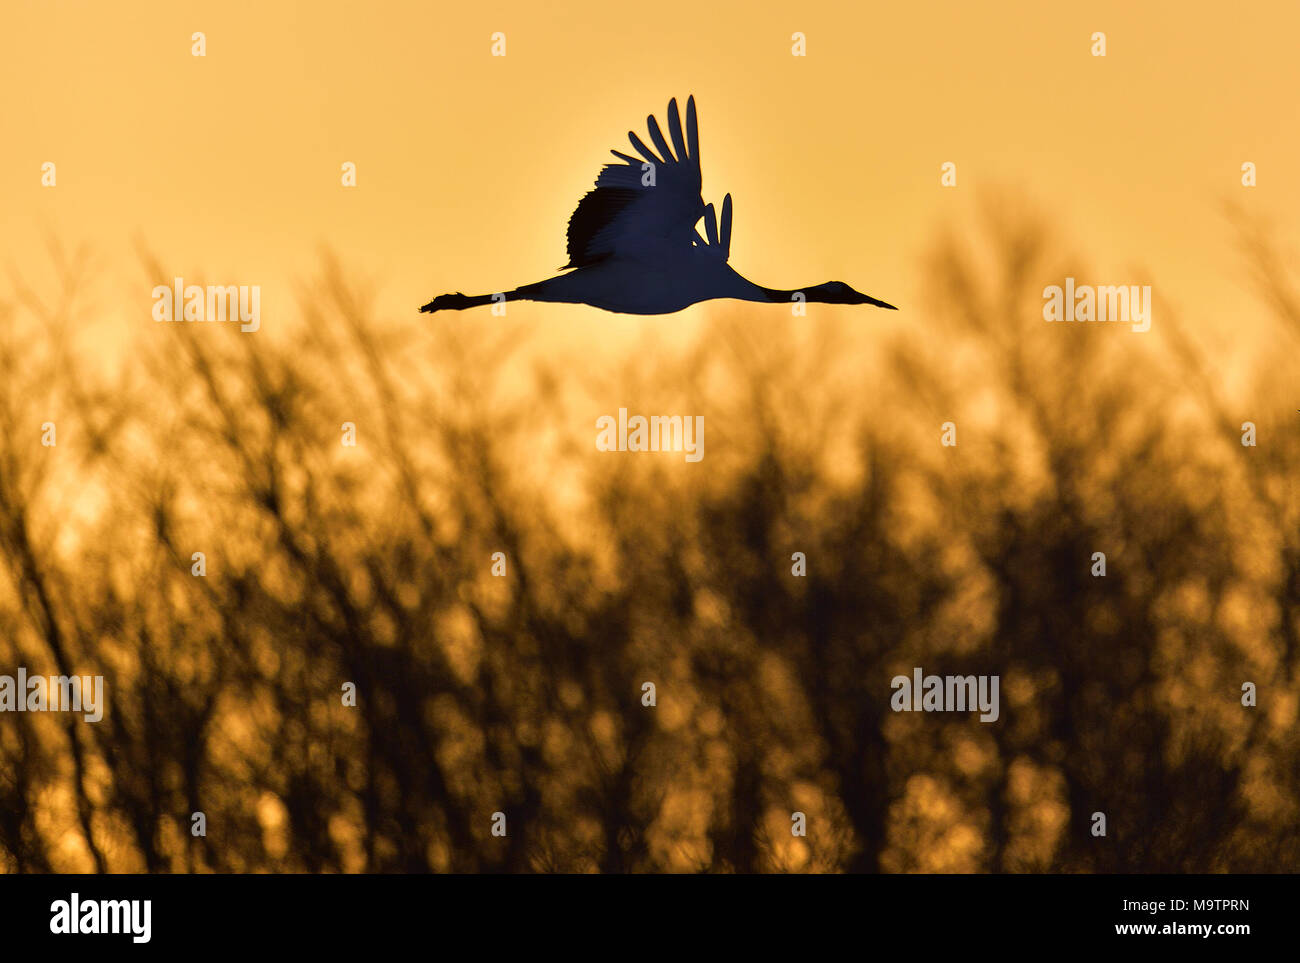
[[469, 165]]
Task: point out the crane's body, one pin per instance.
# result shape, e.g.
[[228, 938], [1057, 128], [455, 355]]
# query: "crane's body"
[[634, 248]]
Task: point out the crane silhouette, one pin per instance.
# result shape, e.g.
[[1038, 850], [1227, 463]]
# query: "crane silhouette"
[[633, 245]]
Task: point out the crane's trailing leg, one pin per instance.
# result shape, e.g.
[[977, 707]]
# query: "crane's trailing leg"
[[459, 302]]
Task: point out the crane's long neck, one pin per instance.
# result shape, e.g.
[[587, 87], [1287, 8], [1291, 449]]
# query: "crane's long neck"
[[741, 288]]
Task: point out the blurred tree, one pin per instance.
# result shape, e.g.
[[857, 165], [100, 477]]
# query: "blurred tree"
[[477, 694]]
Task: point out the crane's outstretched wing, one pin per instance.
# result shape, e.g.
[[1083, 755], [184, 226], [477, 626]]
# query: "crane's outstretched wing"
[[637, 205], [716, 246]]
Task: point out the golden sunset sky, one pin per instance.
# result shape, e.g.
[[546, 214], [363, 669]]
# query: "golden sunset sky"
[[228, 166]]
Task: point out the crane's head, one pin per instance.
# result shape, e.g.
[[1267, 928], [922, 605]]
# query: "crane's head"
[[837, 292]]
